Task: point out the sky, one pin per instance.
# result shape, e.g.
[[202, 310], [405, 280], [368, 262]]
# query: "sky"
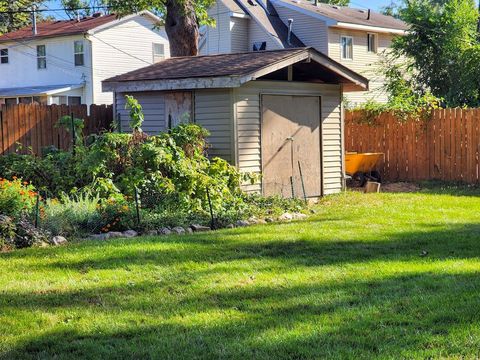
[[367, 4]]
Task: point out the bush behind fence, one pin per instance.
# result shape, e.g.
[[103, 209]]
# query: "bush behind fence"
[[32, 126], [445, 147]]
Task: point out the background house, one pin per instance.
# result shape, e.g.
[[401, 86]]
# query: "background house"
[[64, 62], [355, 38], [266, 111]]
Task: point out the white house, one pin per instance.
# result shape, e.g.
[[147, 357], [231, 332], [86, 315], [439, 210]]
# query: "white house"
[[355, 38], [65, 61]]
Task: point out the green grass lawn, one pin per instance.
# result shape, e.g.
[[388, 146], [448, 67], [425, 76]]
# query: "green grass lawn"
[[351, 282]]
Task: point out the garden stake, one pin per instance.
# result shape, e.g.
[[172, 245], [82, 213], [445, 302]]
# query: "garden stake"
[[137, 206], [291, 185], [212, 222], [303, 184], [73, 133], [37, 209]]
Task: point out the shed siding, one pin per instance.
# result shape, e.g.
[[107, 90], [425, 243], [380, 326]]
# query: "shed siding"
[[248, 123], [153, 104], [213, 111], [364, 62], [122, 48], [239, 34], [311, 31]]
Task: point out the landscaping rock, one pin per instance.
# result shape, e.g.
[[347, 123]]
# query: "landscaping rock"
[[198, 228], [58, 240], [230, 226], [164, 231], [242, 223], [261, 222], [285, 217], [130, 233], [178, 230], [99, 236], [269, 220], [299, 216], [151, 233], [188, 230], [252, 220], [114, 235]]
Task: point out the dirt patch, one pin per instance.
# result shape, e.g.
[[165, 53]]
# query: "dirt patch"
[[400, 187]]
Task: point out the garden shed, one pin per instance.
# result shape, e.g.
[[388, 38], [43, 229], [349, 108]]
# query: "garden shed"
[[275, 113]]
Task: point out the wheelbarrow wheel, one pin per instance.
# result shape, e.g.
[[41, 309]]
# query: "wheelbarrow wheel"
[[358, 179], [375, 176]]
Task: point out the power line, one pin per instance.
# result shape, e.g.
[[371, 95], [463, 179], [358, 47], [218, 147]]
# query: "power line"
[[28, 11]]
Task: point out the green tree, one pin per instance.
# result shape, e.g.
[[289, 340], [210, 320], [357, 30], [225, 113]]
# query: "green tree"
[[442, 47], [14, 14], [180, 17], [76, 8]]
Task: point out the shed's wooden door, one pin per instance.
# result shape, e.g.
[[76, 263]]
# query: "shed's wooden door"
[[291, 134]]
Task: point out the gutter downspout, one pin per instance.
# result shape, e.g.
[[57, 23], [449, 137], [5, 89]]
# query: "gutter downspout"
[[289, 36]]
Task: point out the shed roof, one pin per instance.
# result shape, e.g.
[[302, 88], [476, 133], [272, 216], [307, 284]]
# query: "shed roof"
[[228, 70]]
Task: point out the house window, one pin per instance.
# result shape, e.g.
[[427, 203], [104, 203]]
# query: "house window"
[[259, 46], [78, 53], [25, 100], [74, 100], [41, 57], [347, 47], [372, 43], [158, 52], [11, 101], [3, 56]]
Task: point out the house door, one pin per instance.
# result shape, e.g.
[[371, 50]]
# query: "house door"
[[291, 136]]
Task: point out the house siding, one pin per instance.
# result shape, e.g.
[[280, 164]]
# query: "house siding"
[[256, 33], [239, 34], [311, 31], [153, 104], [363, 62], [247, 108], [213, 111], [218, 37], [124, 47], [21, 70]]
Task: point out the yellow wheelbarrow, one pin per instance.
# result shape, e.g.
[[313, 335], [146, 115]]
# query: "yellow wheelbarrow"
[[361, 167]]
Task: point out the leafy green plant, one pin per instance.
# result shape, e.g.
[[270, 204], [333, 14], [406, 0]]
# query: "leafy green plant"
[[136, 113], [76, 126], [72, 215], [16, 197]]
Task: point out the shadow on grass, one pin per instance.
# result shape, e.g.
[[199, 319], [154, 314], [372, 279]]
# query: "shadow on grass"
[[402, 316], [291, 249]]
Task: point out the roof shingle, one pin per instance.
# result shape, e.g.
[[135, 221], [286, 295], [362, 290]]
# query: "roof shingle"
[[58, 28]]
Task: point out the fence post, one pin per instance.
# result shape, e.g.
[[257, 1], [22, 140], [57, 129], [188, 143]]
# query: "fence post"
[[73, 133]]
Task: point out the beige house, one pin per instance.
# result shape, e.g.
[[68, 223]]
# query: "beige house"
[[355, 38], [268, 112]]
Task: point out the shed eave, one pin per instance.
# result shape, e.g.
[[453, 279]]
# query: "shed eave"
[[172, 84]]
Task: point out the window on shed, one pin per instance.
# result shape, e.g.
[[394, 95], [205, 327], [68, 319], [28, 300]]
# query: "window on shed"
[[3, 56], [347, 47], [59, 100], [158, 52], [372, 43], [25, 100], [40, 100], [78, 53], [259, 46], [41, 57]]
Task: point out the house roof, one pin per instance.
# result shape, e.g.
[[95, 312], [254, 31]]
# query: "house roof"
[[268, 18], [227, 70], [347, 15], [58, 28], [38, 90], [48, 29]]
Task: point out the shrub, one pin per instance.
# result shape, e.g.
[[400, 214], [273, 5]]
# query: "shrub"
[[16, 198], [72, 215], [117, 213]]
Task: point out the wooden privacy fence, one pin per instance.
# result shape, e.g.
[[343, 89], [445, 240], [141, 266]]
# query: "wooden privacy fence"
[[446, 147], [32, 126]]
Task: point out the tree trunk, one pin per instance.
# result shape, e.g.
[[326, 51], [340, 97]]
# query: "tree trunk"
[[182, 28]]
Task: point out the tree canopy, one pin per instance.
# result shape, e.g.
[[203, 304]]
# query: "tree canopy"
[[10, 17], [442, 49]]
